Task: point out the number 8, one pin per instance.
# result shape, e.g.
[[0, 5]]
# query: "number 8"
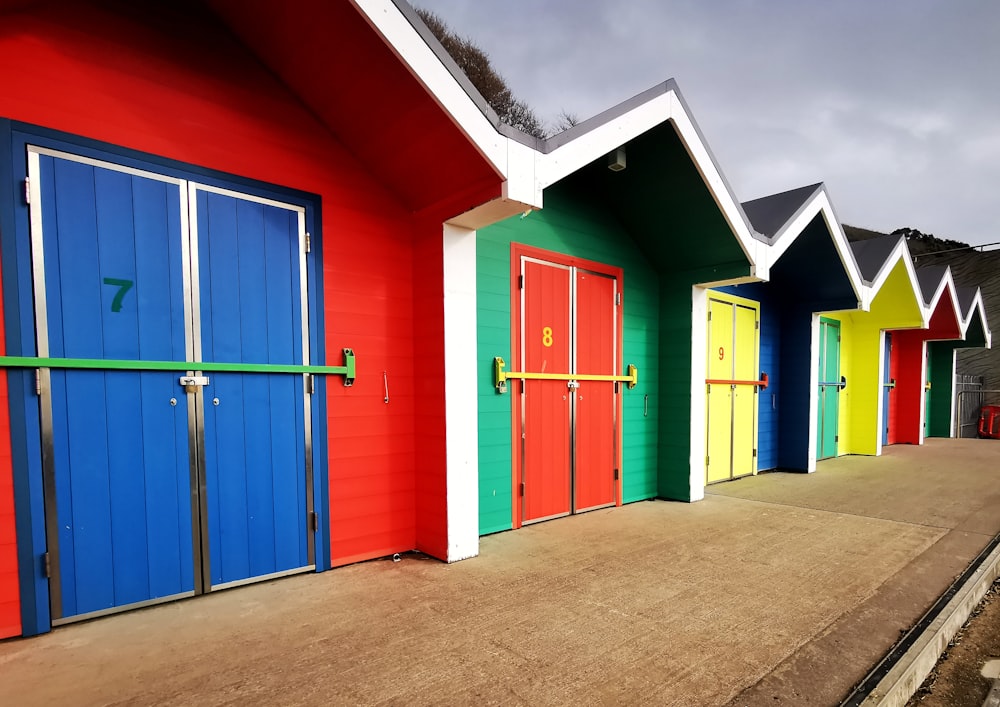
[[547, 336]]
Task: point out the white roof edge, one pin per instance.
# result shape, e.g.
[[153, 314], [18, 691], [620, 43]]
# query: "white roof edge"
[[529, 168], [819, 203], [978, 305], [386, 18], [947, 283], [901, 252]]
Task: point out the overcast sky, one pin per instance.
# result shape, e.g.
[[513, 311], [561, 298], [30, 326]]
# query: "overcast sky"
[[895, 104]]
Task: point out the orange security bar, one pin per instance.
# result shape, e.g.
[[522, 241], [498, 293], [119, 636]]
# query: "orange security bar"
[[500, 376], [762, 383]]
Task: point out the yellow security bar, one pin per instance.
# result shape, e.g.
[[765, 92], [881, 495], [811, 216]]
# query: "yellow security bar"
[[500, 376]]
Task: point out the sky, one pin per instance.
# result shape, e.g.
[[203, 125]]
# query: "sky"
[[894, 104]]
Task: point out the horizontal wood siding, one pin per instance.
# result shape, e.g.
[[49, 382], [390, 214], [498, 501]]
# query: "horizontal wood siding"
[[572, 225], [182, 88]]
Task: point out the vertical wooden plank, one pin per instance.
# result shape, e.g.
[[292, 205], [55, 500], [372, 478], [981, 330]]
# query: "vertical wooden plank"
[[545, 333], [596, 429], [719, 407], [744, 396]]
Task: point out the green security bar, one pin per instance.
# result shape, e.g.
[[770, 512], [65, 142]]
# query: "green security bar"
[[348, 370]]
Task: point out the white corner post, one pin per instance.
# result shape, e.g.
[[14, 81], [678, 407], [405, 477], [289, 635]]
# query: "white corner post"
[[460, 386]]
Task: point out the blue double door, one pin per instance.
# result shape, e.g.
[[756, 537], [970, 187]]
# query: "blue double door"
[[167, 480]]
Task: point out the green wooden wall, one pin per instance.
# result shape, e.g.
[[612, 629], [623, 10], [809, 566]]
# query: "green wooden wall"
[[571, 224]]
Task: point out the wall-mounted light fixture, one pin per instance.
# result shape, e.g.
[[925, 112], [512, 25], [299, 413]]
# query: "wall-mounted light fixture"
[[616, 160]]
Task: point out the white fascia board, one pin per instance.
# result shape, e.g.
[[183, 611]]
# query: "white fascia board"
[[755, 250], [978, 306], [425, 65], [581, 151], [947, 285], [819, 203], [901, 253]]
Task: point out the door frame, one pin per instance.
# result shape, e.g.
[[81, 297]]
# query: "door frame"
[[19, 332], [517, 251]]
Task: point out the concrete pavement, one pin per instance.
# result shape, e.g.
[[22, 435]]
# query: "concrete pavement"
[[778, 589]]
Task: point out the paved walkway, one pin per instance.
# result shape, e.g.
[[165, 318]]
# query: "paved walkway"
[[781, 589]]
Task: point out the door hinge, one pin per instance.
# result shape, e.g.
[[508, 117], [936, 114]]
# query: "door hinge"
[[38, 381], [520, 491], [520, 282], [709, 315], [755, 454], [616, 387], [618, 299], [756, 324], [836, 438], [838, 338], [706, 460], [47, 565], [310, 384], [616, 474], [313, 521], [27, 190], [308, 242]]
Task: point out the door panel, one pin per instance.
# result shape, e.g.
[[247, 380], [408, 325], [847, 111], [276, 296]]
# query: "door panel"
[[119, 513], [254, 424], [720, 396], [829, 389], [744, 395], [596, 344], [545, 341], [886, 388]]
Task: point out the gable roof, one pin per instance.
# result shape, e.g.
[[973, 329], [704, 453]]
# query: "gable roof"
[[784, 218], [872, 254]]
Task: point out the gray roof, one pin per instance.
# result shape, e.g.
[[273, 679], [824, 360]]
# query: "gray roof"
[[930, 279], [770, 213], [872, 254]]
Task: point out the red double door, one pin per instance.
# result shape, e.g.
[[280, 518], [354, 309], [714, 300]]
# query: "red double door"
[[568, 428]]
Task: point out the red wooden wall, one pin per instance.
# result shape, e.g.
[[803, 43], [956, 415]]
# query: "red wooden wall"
[[180, 87]]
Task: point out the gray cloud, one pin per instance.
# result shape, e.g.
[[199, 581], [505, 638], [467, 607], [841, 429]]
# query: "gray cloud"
[[895, 105]]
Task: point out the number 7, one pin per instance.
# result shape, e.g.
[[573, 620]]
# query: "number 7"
[[124, 286]]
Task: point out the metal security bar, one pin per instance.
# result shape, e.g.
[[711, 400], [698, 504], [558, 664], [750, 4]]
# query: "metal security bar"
[[348, 370], [500, 376]]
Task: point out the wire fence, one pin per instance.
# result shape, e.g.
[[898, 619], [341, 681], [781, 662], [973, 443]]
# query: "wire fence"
[[972, 397]]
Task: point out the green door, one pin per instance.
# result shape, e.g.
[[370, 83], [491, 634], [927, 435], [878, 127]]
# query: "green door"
[[829, 388]]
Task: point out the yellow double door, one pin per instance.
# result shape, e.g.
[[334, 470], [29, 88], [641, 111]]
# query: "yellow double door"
[[731, 387]]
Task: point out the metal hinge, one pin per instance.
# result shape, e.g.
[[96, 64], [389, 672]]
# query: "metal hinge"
[[755, 454], [38, 381], [709, 315], [836, 438], [46, 565], [313, 521], [838, 337], [706, 460], [520, 491], [618, 299], [756, 325], [616, 387], [520, 282], [310, 384], [308, 242], [27, 191], [616, 474]]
